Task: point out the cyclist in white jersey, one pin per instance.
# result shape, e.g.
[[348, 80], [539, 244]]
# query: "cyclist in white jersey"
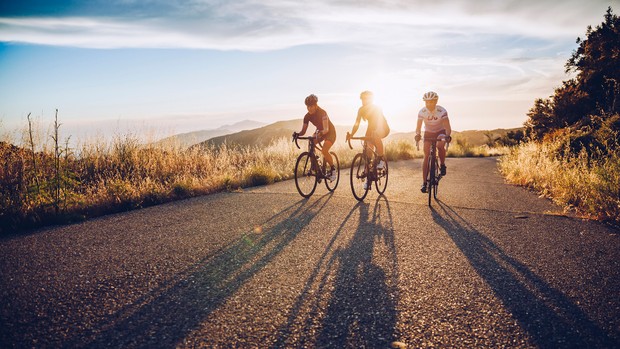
[[436, 124]]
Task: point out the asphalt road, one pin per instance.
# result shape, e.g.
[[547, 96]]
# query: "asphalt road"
[[489, 265]]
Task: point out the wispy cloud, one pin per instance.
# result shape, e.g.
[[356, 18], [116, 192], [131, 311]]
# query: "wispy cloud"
[[275, 24]]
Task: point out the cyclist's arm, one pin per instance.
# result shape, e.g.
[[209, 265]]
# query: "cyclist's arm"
[[356, 125], [303, 129], [325, 125], [418, 128], [446, 125]]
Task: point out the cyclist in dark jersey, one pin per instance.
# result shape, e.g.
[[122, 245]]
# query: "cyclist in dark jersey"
[[325, 130]]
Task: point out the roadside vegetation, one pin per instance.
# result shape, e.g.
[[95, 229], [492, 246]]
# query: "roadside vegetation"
[[572, 148], [45, 181]]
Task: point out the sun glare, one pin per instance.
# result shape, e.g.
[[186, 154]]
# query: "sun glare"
[[400, 100]]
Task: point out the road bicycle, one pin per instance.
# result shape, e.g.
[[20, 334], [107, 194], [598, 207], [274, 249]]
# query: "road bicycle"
[[434, 175], [310, 169], [364, 170]]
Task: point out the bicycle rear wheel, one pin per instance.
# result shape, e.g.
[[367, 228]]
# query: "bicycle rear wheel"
[[359, 176], [331, 185], [382, 177], [305, 175]]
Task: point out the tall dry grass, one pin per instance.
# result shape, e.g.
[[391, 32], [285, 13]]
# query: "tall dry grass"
[[46, 180], [42, 185], [591, 187], [459, 148]]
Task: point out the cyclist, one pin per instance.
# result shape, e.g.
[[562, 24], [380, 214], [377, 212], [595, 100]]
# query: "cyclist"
[[377, 125], [325, 131], [436, 124]]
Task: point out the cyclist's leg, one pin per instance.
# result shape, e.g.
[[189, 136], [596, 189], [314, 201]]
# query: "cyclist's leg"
[[379, 146], [377, 141], [370, 148], [441, 151], [427, 150], [327, 145]]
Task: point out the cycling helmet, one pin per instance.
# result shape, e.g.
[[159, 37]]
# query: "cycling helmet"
[[430, 95], [366, 94], [311, 100]]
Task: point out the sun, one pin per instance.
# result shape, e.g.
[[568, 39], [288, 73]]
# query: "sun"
[[400, 100]]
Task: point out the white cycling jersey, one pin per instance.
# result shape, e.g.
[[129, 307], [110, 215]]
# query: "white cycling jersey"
[[433, 121]]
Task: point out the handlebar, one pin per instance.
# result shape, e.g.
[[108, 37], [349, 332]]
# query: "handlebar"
[[349, 139], [310, 138], [417, 144]]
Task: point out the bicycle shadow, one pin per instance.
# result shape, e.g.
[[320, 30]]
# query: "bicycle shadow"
[[548, 316], [167, 315], [361, 294]]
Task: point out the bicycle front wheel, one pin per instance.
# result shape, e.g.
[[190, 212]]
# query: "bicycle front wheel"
[[305, 175], [431, 177], [382, 177], [331, 185], [359, 176]]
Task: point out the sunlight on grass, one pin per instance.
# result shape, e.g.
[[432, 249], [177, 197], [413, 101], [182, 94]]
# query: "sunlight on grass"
[[589, 187], [47, 181]]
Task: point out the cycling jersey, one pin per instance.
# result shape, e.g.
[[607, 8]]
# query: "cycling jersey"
[[433, 121], [317, 120], [377, 124]]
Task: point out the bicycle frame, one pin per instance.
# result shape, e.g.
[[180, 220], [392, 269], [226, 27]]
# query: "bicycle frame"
[[310, 169], [312, 145], [433, 176], [370, 173], [365, 149]]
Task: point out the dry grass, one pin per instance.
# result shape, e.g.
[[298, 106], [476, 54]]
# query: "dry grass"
[[406, 149], [461, 149], [98, 178], [589, 187], [46, 181]]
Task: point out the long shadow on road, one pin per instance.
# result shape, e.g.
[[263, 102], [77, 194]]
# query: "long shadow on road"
[[169, 314], [361, 310], [550, 318]]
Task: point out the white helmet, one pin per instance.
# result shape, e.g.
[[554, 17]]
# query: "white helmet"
[[430, 95]]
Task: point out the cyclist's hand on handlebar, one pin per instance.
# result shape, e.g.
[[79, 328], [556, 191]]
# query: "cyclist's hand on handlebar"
[[448, 139], [295, 135], [348, 136]]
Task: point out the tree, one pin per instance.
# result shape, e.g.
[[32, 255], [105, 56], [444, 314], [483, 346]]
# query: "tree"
[[595, 91], [570, 104], [597, 62], [540, 119]]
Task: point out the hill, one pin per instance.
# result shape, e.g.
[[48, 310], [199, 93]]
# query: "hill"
[[185, 140], [265, 135], [471, 137]]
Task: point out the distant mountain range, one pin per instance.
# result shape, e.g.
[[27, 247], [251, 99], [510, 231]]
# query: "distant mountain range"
[[265, 135], [188, 139], [253, 133]]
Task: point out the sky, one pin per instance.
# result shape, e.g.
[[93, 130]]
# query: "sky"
[[173, 66]]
